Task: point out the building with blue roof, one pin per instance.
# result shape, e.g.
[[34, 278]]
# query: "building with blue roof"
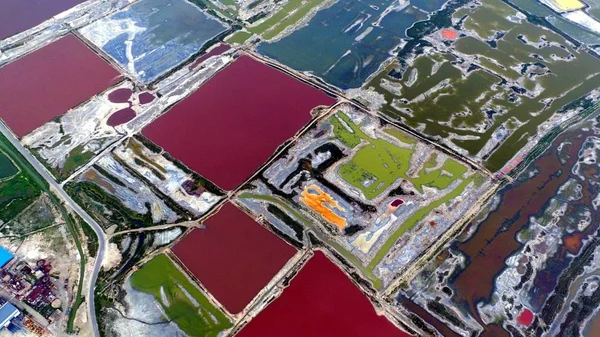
[[5, 257], [7, 313]]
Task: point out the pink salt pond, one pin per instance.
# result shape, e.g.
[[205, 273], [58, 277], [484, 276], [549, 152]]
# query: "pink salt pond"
[[120, 95], [121, 117], [146, 98]]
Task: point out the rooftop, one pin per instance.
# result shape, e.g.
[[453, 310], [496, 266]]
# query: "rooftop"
[[7, 313], [5, 257]]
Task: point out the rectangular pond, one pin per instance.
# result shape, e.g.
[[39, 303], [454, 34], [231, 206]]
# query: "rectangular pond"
[[48, 82]]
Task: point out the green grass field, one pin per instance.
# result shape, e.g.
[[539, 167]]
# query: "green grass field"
[[204, 320], [383, 163], [19, 188]]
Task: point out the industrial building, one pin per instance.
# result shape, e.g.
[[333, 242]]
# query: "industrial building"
[[7, 313], [5, 257]]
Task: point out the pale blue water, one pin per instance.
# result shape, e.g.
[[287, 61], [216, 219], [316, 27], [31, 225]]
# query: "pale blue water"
[[173, 30]]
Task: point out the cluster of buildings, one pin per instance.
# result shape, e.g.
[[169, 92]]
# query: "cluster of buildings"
[[29, 285]]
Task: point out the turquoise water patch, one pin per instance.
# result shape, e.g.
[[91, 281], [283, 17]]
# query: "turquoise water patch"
[[5, 257]]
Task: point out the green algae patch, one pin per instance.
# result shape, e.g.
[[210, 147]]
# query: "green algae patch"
[[378, 164], [401, 136], [182, 301], [486, 93]]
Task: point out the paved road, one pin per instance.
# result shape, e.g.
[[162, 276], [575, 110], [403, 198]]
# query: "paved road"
[[67, 199]]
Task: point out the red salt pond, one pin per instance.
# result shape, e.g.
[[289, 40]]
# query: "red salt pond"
[[525, 318], [48, 82], [321, 301], [145, 98], [121, 117], [232, 124], [234, 257], [120, 95], [19, 15], [449, 34]]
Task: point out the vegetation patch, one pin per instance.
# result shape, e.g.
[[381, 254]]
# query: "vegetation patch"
[[19, 190], [181, 300], [379, 163]]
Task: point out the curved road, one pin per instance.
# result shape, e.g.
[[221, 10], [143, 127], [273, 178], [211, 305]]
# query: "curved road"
[[67, 200]]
